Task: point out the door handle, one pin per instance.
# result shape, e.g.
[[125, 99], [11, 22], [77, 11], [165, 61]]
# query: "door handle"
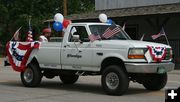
[[99, 53]]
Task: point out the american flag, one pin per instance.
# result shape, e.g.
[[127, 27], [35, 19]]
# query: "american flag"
[[155, 36], [110, 31], [29, 37], [94, 37]]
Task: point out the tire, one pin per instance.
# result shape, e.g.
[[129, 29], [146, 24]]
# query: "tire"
[[114, 80], [155, 81], [69, 79], [32, 76]]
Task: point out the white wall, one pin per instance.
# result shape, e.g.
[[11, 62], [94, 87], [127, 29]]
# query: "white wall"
[[114, 4]]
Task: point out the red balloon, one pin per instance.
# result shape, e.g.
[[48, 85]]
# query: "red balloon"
[[66, 22]]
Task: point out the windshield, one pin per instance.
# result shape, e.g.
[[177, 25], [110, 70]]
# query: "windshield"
[[109, 32]]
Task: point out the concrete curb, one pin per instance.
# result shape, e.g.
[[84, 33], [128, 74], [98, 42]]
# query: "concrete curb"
[[1, 61]]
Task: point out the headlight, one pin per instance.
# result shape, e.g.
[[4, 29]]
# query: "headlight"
[[136, 53]]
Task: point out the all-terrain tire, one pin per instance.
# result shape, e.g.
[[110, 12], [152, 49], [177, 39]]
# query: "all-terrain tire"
[[155, 81], [114, 80], [32, 76]]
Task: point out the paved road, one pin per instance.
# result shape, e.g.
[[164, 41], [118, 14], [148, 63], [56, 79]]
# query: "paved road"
[[87, 89]]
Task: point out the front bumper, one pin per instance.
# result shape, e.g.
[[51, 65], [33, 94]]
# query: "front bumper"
[[149, 67]]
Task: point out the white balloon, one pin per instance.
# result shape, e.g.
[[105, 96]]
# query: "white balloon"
[[103, 17], [58, 17]]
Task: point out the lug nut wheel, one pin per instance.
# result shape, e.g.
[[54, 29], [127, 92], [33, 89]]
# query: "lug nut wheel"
[[112, 80], [28, 75]]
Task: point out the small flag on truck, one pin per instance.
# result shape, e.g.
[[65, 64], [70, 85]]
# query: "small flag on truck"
[[155, 36], [109, 32], [94, 37]]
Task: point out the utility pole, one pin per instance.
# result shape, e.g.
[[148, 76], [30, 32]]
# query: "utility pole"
[[65, 7]]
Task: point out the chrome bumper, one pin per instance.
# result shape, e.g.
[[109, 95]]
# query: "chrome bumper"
[[149, 67]]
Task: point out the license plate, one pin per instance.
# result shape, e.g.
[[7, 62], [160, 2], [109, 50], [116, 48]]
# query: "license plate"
[[161, 70]]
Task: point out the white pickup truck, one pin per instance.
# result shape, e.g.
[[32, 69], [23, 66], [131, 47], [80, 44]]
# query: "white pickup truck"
[[118, 59]]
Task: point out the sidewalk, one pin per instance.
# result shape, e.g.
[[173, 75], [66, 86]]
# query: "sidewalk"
[[1, 61]]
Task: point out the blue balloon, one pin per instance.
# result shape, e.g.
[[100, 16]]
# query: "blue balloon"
[[109, 21], [57, 26]]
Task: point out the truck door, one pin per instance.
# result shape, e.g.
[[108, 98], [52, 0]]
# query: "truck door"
[[77, 55]]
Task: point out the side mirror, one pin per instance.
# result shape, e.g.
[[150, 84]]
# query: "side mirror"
[[75, 37]]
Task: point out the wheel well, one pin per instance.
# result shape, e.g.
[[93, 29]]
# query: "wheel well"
[[112, 61], [34, 61]]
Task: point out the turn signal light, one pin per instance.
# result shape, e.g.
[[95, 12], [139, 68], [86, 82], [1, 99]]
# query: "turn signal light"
[[136, 56]]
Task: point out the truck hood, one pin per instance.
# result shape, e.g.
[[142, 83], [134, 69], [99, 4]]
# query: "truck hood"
[[135, 43], [128, 44]]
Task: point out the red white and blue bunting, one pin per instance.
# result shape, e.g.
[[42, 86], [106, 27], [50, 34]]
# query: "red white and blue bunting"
[[20, 54], [157, 53]]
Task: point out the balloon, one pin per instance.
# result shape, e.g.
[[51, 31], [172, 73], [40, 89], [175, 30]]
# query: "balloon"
[[109, 21], [58, 17], [66, 22], [103, 18], [57, 26]]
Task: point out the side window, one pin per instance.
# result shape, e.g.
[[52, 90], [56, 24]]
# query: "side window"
[[81, 31]]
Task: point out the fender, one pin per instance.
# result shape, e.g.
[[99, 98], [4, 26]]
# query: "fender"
[[113, 59], [115, 55]]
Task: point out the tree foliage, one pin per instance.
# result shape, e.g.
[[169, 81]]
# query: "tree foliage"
[[80, 6], [16, 13]]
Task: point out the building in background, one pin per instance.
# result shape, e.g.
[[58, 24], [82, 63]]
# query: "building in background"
[[142, 17]]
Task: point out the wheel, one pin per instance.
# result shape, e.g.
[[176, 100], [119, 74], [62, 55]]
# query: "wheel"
[[114, 80], [155, 81], [32, 76], [69, 79]]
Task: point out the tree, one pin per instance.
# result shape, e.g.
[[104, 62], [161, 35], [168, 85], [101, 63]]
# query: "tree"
[[80, 6], [15, 13]]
